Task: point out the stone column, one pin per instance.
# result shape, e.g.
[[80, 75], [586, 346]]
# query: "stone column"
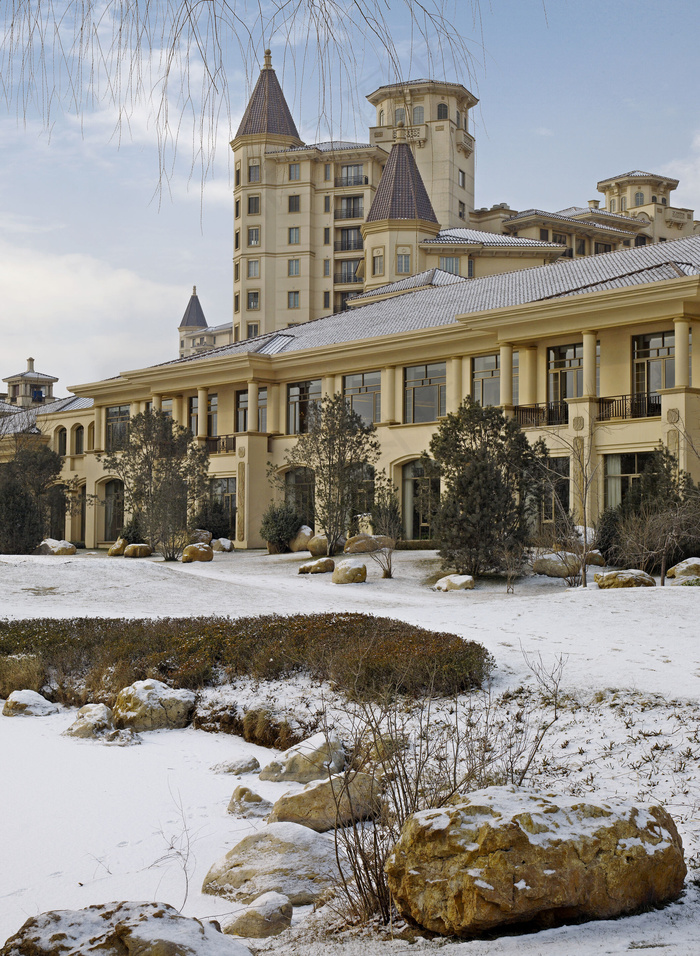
[[454, 383], [178, 409], [506, 351], [202, 408], [528, 375], [681, 327], [273, 409], [134, 409], [99, 427], [157, 401], [338, 387], [252, 406], [388, 394], [589, 364], [327, 386]]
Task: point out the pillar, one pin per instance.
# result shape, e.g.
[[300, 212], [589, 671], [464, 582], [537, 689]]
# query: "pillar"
[[388, 394], [528, 376], [682, 337], [327, 386], [252, 406], [589, 363], [134, 409], [338, 385], [99, 427], [157, 401], [202, 400], [506, 356], [178, 409], [273, 409], [454, 383]]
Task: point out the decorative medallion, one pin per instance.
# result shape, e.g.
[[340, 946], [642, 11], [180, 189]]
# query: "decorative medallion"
[[241, 452], [673, 416], [579, 423]]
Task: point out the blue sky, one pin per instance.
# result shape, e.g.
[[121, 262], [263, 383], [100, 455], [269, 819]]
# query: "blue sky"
[[96, 267]]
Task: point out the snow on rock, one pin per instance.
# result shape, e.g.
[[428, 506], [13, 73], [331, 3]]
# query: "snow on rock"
[[453, 870], [688, 568], [312, 759], [632, 578], [350, 571], [282, 858], [53, 546], [245, 802], [269, 915], [455, 582], [197, 552], [326, 804], [221, 544], [239, 767], [92, 721], [137, 551], [319, 566], [300, 542], [557, 564], [119, 929], [152, 705], [27, 703]]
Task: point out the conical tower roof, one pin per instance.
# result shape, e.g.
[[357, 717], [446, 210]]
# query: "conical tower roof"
[[194, 316], [267, 110], [401, 193]]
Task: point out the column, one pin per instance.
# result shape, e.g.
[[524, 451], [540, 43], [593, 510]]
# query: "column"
[[99, 427], [134, 409], [506, 351], [338, 387], [466, 375], [589, 349], [252, 406], [528, 376], [327, 386], [157, 401], [273, 409], [682, 334], [178, 409], [202, 408], [388, 394], [454, 383]]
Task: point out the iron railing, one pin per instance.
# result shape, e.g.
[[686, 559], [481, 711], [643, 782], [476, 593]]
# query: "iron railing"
[[348, 245], [353, 213], [355, 180], [341, 277], [221, 444], [628, 406], [545, 413]]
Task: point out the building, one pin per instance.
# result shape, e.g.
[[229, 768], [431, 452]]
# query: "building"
[[28, 389]]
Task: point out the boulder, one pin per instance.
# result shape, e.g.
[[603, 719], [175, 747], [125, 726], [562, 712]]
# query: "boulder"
[[318, 545], [688, 568], [221, 544], [137, 551], [633, 578], [269, 915], [326, 804], [455, 582], [596, 559], [319, 566], [240, 766], [197, 552], [313, 759], [365, 543], [281, 858], [300, 541], [120, 929], [27, 703], [505, 855], [350, 571], [557, 564], [200, 536], [117, 548], [152, 705], [53, 546], [92, 721], [245, 802]]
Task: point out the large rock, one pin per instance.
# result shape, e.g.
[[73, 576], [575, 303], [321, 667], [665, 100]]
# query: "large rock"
[[221, 544], [245, 802], [300, 542], [633, 578], [318, 545], [197, 552], [200, 536], [319, 566], [557, 564], [350, 571], [117, 548], [505, 855], [327, 804], [455, 582], [688, 568], [120, 929], [366, 543], [595, 558], [315, 758], [152, 705], [138, 551], [239, 767], [92, 721], [269, 915], [281, 858], [54, 546], [27, 703]]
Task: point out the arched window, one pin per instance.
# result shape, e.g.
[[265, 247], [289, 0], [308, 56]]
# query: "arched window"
[[381, 117], [399, 116], [612, 205], [61, 441], [623, 203], [114, 509], [663, 200], [654, 199], [442, 111], [421, 496], [639, 199], [91, 436], [418, 115], [459, 119], [79, 440], [299, 484]]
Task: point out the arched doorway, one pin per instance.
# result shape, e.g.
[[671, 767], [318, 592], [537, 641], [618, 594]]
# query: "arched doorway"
[[114, 509], [421, 496]]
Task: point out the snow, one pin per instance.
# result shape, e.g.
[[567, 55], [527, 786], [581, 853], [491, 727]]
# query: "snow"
[[81, 823], [31, 704]]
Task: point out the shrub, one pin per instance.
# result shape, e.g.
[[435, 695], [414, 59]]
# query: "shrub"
[[134, 531], [21, 523], [20, 672], [279, 525], [213, 517], [607, 534]]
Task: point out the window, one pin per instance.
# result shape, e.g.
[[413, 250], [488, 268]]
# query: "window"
[[461, 210], [602, 247], [420, 500], [327, 171], [612, 205], [212, 415], [639, 199], [326, 267], [580, 247], [299, 493], [442, 111], [621, 472], [236, 271], [623, 203], [253, 301], [564, 372], [486, 379], [326, 300], [348, 270], [117, 427], [654, 199], [253, 268], [450, 264], [254, 236], [399, 116], [403, 264], [237, 239], [166, 407], [223, 491], [238, 174], [293, 203], [462, 178], [79, 440], [459, 119], [326, 203], [364, 394], [114, 509], [293, 267], [237, 206], [302, 398], [544, 235], [424, 392], [242, 411], [378, 264], [556, 499], [254, 172], [253, 205], [663, 200], [350, 208], [326, 236], [294, 170], [292, 300], [61, 441], [560, 237], [350, 239], [253, 330], [294, 236], [237, 302], [381, 117], [470, 268], [262, 409], [653, 358], [418, 115], [640, 240], [352, 175]]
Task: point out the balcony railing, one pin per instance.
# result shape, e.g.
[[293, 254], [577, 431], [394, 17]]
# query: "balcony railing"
[[628, 406], [341, 277], [546, 413], [355, 180], [348, 245], [221, 445], [354, 213]]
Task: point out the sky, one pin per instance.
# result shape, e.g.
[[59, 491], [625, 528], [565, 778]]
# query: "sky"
[[97, 263]]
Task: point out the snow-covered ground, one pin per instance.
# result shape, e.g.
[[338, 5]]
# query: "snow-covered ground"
[[82, 823]]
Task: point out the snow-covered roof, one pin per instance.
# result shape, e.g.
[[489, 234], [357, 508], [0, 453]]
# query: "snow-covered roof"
[[431, 277], [543, 214], [73, 403], [481, 237]]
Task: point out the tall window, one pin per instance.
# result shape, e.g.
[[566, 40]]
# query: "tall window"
[[193, 414], [403, 264], [79, 440], [299, 493], [462, 178], [253, 329], [352, 175], [262, 409], [242, 411], [654, 363], [237, 207], [212, 415], [564, 372], [166, 407], [117, 427], [381, 117], [351, 207], [62, 442], [293, 238], [486, 379], [254, 172], [421, 497], [424, 392], [253, 268], [223, 491], [294, 203], [399, 116], [442, 111], [326, 267], [350, 239], [623, 203], [114, 509], [326, 300], [253, 205], [326, 203], [302, 397], [378, 264], [461, 210], [450, 264], [253, 300], [364, 394], [639, 199], [326, 236], [294, 172], [556, 501], [348, 270], [612, 205], [293, 267], [254, 236], [293, 300], [621, 472], [327, 171], [418, 115]]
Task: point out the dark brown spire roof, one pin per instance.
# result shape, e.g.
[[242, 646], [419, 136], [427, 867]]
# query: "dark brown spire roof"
[[194, 316], [401, 193], [267, 110]]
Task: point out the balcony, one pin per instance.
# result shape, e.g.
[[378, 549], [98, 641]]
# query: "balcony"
[[546, 413], [355, 180], [343, 277], [348, 245], [465, 142], [621, 407], [353, 213], [221, 445]]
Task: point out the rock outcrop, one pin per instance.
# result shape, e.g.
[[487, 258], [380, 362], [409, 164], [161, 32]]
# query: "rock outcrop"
[[319, 566], [633, 578], [54, 546], [197, 552], [505, 855], [455, 582], [137, 551], [327, 804], [92, 721], [689, 568], [268, 915], [312, 759], [152, 705], [27, 703], [300, 541], [350, 571]]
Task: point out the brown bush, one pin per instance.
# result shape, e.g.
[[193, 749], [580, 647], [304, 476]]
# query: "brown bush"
[[21, 672]]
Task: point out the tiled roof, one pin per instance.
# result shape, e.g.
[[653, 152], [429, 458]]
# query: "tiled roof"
[[267, 110], [543, 214], [401, 193], [431, 277], [576, 212], [74, 403], [479, 237], [7, 409], [194, 315], [34, 376], [635, 174], [665, 270], [331, 146]]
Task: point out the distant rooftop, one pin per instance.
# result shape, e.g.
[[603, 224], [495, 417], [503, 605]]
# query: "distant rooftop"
[[480, 237], [267, 110], [29, 373], [401, 193], [194, 314], [638, 174]]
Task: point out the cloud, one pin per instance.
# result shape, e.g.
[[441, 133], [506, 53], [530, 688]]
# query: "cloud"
[[687, 170]]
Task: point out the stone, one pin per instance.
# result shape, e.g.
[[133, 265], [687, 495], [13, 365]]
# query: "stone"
[[326, 804], [152, 705], [197, 552], [120, 929], [350, 571], [300, 541], [27, 703], [240, 766], [595, 558], [315, 758], [319, 566], [557, 564], [245, 802], [268, 915], [505, 855], [455, 582], [54, 546], [632, 578], [92, 721], [221, 544], [137, 551], [279, 858], [117, 548], [365, 543], [318, 545], [200, 536], [688, 568]]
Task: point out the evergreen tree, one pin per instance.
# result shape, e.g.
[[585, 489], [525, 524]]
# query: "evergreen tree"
[[21, 522]]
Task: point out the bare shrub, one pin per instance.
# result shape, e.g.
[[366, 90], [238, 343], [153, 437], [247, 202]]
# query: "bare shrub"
[[21, 672]]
